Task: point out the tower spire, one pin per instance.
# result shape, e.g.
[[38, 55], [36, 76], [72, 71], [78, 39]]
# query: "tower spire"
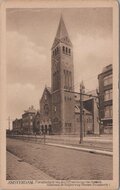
[[62, 34]]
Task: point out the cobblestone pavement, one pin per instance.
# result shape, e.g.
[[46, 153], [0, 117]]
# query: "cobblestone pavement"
[[61, 163], [17, 169]]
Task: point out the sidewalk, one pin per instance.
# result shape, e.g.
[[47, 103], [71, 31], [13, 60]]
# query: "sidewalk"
[[17, 169], [103, 143], [75, 138], [90, 150], [101, 138]]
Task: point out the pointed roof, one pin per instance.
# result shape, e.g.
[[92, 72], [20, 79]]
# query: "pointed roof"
[[48, 90], [62, 31], [62, 34]]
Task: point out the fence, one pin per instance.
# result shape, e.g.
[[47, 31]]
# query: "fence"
[[58, 139]]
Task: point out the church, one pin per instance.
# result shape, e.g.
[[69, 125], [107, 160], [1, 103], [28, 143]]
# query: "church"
[[59, 111]]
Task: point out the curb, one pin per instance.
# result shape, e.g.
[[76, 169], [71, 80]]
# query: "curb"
[[107, 153]]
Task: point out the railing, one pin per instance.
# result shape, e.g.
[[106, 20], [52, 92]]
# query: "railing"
[[46, 139], [33, 138], [98, 142]]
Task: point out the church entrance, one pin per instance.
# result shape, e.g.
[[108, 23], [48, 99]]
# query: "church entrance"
[[50, 129], [45, 129]]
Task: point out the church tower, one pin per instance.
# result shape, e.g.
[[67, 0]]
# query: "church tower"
[[62, 75]]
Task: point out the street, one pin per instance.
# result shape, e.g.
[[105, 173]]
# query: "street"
[[60, 163]]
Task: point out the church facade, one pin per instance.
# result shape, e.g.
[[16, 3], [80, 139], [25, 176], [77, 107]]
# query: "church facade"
[[59, 105], [59, 109], [62, 101]]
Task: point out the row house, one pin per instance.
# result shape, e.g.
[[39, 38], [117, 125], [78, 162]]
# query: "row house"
[[28, 124], [105, 80], [28, 120], [17, 126]]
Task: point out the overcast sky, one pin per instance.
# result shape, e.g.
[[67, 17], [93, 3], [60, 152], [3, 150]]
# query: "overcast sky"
[[30, 34]]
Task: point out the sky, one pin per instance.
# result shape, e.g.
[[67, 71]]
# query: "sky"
[[30, 35]]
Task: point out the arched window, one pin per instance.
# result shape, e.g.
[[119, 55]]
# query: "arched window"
[[45, 96], [64, 79], [63, 49], [70, 81], [67, 80], [55, 52], [57, 80], [69, 51], [66, 50]]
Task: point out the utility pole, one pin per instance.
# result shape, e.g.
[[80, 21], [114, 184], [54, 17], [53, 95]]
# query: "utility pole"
[[81, 112], [99, 114], [82, 93]]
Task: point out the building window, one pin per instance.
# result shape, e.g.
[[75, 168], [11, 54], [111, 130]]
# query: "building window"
[[46, 109], [45, 97], [57, 49], [108, 111], [63, 49], [68, 124], [55, 109], [108, 95], [66, 50], [68, 127], [107, 80], [69, 51]]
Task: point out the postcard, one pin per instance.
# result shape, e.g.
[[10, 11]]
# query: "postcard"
[[59, 114]]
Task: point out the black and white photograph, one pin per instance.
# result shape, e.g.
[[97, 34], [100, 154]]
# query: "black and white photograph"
[[60, 94]]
